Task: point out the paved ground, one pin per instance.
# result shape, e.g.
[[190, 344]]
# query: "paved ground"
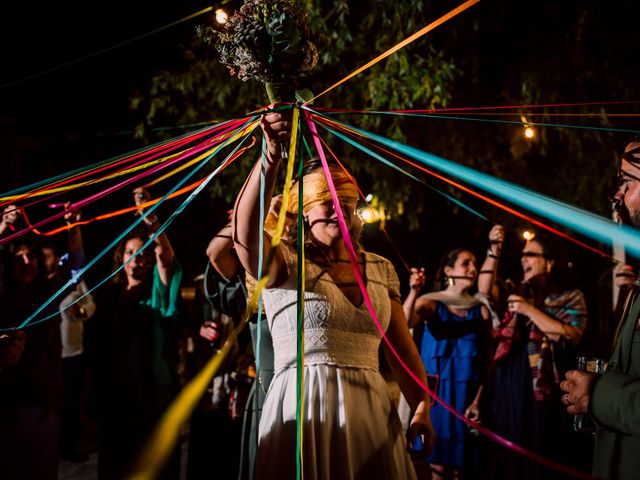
[[88, 470], [79, 471]]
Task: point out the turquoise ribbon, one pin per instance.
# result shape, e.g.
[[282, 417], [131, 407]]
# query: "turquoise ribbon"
[[589, 224], [135, 224], [487, 120], [101, 163], [404, 172]]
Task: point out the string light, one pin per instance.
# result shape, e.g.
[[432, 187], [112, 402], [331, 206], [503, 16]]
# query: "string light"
[[221, 16], [529, 131], [368, 215], [528, 235]]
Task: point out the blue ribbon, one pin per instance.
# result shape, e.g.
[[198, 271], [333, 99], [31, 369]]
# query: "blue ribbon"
[[589, 224], [135, 224]]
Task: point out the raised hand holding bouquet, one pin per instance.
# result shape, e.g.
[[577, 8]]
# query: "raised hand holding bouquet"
[[268, 41]]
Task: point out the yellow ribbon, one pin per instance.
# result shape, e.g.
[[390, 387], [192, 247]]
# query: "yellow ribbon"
[[165, 435]]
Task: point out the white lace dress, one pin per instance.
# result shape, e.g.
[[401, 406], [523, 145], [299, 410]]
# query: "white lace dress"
[[351, 428]]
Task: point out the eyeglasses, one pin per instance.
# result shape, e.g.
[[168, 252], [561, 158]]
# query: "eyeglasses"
[[533, 254], [623, 181]]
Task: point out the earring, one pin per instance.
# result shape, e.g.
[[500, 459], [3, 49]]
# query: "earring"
[[450, 282]]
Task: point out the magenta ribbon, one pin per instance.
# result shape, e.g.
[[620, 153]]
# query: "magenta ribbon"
[[354, 263], [82, 203]]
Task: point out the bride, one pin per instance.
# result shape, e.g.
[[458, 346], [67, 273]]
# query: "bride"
[[350, 425]]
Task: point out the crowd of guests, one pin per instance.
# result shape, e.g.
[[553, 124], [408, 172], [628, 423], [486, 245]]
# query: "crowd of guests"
[[494, 349]]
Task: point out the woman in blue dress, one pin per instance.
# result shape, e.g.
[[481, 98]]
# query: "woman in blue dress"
[[451, 328]]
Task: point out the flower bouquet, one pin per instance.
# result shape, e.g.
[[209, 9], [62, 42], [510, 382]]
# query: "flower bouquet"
[[268, 41]]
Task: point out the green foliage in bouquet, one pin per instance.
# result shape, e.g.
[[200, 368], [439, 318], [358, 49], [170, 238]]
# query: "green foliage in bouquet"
[[266, 40]]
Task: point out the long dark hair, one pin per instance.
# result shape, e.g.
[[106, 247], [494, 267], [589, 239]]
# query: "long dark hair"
[[562, 277], [449, 260], [141, 234], [9, 259]]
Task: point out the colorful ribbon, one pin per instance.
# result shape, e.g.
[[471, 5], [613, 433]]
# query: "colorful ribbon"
[[510, 210], [166, 433], [129, 181], [352, 256], [461, 8], [163, 227]]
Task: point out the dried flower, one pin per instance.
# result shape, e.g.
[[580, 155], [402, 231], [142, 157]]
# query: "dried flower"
[[266, 40]]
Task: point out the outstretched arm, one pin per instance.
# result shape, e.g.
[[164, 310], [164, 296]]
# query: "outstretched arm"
[[165, 256], [75, 246], [489, 270], [553, 328], [416, 282], [9, 216], [246, 214]]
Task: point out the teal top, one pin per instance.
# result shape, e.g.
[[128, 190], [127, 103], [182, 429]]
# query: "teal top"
[[163, 305]]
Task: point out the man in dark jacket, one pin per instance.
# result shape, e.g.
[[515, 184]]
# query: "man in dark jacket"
[[613, 399]]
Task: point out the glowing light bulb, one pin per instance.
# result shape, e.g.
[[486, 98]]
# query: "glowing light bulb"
[[367, 215], [221, 16], [529, 132], [369, 197], [527, 235]]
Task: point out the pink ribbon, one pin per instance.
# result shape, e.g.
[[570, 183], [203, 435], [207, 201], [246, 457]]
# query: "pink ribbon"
[[354, 263], [82, 203]]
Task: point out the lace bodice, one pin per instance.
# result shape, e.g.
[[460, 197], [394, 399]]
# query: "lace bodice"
[[336, 332]]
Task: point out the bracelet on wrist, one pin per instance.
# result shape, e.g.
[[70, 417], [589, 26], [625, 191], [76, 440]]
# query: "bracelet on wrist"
[[491, 254]]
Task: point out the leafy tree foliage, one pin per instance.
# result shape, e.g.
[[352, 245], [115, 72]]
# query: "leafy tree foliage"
[[497, 53], [348, 33]]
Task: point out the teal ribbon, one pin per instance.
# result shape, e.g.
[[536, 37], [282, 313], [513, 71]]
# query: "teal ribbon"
[[300, 330], [589, 224], [163, 227], [101, 163], [404, 172], [263, 167], [487, 120]]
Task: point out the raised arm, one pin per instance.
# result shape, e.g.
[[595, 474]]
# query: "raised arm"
[[9, 216], [489, 270], [246, 213], [221, 254], [416, 282], [75, 246], [165, 256]]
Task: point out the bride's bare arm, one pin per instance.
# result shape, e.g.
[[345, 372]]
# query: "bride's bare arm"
[[246, 214], [399, 336]]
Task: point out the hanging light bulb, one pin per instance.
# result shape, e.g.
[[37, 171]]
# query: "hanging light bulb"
[[529, 131], [221, 16], [367, 214]]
